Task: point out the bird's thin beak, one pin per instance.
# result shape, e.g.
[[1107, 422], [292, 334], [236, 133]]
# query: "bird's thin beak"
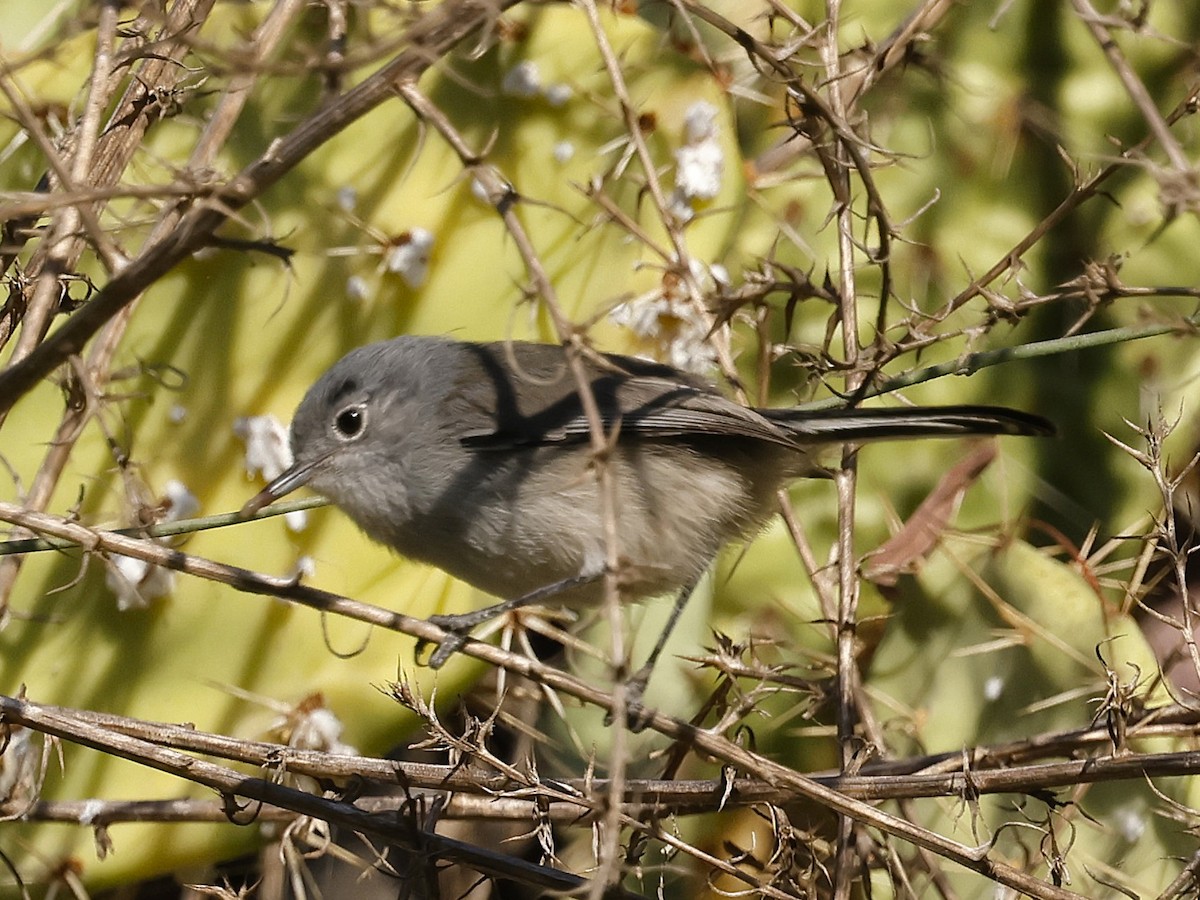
[[296, 476]]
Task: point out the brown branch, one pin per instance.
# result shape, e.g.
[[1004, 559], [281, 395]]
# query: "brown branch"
[[504, 200], [429, 39], [977, 859], [1134, 87], [100, 168], [991, 771], [1083, 192], [1186, 882], [95, 374], [409, 835]]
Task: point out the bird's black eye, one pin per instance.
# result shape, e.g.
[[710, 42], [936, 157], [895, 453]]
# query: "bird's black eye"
[[350, 422]]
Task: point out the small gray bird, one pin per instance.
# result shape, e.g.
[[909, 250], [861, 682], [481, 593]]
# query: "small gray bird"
[[476, 458]]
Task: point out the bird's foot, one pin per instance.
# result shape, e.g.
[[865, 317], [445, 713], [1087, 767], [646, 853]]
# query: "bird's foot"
[[458, 629], [637, 715]]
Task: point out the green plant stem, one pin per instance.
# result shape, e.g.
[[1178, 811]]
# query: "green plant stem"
[[167, 529], [974, 362]]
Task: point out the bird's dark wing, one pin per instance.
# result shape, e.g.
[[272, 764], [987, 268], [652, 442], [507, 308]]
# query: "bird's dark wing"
[[520, 394], [896, 422]]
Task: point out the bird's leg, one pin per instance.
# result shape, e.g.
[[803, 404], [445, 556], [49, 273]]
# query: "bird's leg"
[[635, 687], [459, 625]]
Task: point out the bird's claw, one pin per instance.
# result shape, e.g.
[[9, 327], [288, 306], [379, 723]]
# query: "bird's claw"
[[637, 716], [458, 629]]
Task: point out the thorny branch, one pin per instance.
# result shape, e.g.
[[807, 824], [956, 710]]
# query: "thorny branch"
[[995, 769], [430, 38], [138, 76], [974, 858]]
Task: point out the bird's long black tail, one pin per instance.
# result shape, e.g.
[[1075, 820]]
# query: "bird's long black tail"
[[891, 423]]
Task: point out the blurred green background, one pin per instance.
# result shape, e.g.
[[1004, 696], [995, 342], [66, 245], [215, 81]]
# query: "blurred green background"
[[977, 125]]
